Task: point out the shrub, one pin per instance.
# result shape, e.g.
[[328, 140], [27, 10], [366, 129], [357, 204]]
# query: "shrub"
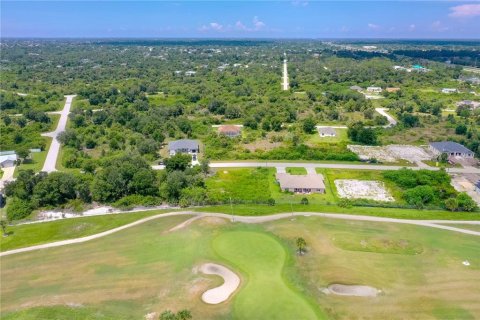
[[18, 209], [304, 201], [271, 202]]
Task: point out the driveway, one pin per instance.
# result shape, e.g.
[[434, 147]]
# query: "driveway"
[[52, 155], [7, 176]]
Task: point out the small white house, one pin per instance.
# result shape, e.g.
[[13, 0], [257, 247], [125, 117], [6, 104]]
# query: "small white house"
[[8, 160], [449, 90], [190, 73], [327, 132], [374, 89]]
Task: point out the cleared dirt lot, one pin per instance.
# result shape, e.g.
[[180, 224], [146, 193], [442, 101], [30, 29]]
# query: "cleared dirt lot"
[[392, 153], [363, 189]]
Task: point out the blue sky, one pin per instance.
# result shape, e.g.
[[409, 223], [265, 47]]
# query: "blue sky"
[[248, 19]]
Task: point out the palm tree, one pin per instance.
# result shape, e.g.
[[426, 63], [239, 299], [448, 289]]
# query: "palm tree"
[[301, 244]]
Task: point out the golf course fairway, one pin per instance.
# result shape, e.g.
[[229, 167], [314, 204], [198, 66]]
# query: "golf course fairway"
[[265, 293]]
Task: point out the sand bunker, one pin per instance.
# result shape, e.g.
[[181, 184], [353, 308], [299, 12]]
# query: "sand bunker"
[[352, 290], [222, 293]]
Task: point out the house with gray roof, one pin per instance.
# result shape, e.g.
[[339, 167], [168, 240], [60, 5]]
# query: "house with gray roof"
[[309, 183], [327, 132], [183, 146], [8, 160], [356, 88], [451, 148]]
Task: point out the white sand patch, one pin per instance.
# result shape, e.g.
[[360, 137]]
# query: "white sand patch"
[[151, 316], [466, 263], [363, 189], [222, 293], [392, 153], [351, 290]]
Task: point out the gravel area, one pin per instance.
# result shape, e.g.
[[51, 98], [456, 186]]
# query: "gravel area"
[[363, 189]]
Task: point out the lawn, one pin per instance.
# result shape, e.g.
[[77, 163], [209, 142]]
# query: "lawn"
[[235, 184], [148, 268], [315, 139], [37, 233], [266, 295]]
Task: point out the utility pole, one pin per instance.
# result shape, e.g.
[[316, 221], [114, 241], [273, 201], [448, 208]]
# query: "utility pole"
[[231, 208]]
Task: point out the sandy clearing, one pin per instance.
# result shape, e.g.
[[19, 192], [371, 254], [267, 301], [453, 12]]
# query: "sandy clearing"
[[352, 290], [362, 189], [222, 293], [184, 224]]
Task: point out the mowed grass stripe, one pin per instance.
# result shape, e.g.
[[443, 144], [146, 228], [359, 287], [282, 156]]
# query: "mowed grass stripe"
[[265, 293]]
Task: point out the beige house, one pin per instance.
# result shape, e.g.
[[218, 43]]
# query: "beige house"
[[309, 183]]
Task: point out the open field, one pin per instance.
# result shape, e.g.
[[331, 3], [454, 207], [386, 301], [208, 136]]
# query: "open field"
[[148, 269]]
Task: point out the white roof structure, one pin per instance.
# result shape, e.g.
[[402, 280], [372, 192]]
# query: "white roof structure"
[[7, 157]]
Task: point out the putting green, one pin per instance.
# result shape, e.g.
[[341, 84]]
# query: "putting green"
[[265, 295]]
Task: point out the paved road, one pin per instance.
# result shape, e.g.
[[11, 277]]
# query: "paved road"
[[256, 219], [285, 85], [52, 154], [391, 121]]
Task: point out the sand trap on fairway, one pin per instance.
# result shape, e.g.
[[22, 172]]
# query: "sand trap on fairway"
[[223, 292], [352, 290]]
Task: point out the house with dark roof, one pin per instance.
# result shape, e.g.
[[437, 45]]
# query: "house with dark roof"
[[231, 131], [309, 183], [451, 148], [183, 146]]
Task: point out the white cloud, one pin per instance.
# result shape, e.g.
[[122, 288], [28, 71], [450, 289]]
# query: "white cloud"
[[412, 27], [344, 29], [212, 26], [257, 25], [373, 26], [437, 26], [299, 3], [465, 11]]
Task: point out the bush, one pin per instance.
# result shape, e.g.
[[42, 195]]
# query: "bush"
[[133, 200], [271, 202], [18, 209], [304, 201]]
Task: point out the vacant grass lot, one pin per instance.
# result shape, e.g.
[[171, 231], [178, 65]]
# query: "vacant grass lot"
[[149, 269]]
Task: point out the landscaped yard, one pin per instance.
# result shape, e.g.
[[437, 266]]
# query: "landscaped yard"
[[148, 269]]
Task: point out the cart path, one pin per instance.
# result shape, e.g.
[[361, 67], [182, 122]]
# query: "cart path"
[[256, 219]]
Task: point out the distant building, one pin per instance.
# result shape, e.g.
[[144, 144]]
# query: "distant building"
[[468, 103], [451, 148], [8, 160], [393, 89], [327, 132], [230, 130], [356, 88], [310, 183], [190, 73], [183, 146], [374, 89], [449, 90]]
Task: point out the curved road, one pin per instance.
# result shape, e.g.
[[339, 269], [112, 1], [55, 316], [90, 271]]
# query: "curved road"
[[52, 155], [254, 219]]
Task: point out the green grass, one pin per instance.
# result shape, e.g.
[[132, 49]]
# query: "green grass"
[[239, 184], [26, 235], [316, 140], [266, 294], [367, 243], [148, 268], [296, 170]]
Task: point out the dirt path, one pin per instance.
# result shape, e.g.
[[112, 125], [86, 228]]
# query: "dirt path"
[[257, 219], [221, 293]]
